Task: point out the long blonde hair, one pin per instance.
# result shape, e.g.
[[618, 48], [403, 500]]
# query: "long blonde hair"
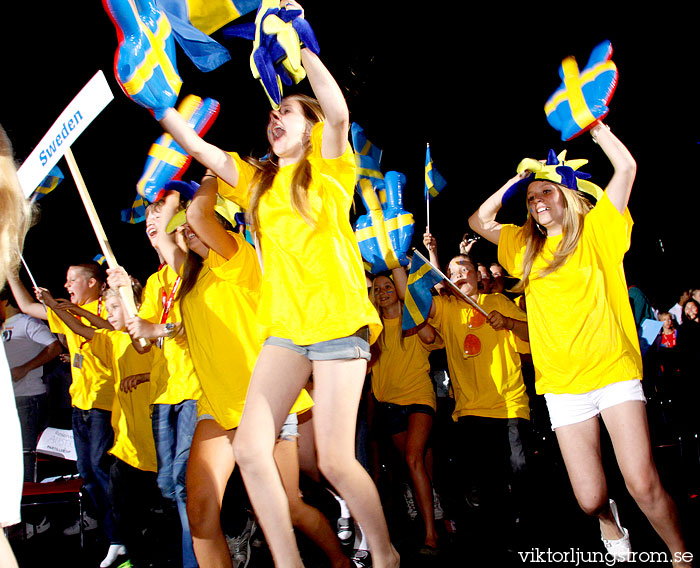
[[576, 207], [14, 211], [380, 344], [267, 169]]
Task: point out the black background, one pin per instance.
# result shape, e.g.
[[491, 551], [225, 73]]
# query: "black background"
[[470, 79]]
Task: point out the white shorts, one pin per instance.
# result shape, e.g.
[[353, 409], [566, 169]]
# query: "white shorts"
[[566, 409]]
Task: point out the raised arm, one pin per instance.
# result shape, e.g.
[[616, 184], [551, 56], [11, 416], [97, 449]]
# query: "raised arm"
[[71, 321], [166, 243], [330, 97], [483, 221], [623, 163], [430, 243], [201, 218], [208, 155], [25, 301]]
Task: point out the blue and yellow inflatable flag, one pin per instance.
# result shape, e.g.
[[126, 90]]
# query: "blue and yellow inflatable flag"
[[418, 299], [384, 233], [434, 182], [278, 35], [167, 160], [49, 183], [144, 64], [583, 96]]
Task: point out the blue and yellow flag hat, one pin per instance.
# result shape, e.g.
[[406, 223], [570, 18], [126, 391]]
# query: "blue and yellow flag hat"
[[558, 170]]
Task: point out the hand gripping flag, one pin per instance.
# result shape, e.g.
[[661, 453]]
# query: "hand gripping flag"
[[418, 298], [167, 160], [384, 233], [583, 97], [434, 182], [144, 63], [49, 183], [278, 35]]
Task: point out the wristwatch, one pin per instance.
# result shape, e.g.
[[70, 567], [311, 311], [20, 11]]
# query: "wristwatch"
[[170, 329]]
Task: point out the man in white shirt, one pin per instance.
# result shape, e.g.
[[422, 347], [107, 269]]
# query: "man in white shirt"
[[29, 344]]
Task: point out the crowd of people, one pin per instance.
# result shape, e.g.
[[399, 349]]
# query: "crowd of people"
[[260, 356]]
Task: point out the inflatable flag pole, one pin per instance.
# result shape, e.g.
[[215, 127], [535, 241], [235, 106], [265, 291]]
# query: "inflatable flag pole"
[[31, 276], [452, 285]]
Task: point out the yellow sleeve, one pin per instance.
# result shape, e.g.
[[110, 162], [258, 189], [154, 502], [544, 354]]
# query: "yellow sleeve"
[[342, 168], [511, 245], [610, 227], [101, 344], [241, 193]]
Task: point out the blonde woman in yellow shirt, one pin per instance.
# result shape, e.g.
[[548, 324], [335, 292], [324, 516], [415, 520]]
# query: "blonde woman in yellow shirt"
[[402, 386], [568, 256], [314, 313], [219, 296]]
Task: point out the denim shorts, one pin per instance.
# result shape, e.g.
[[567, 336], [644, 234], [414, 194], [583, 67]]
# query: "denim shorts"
[[355, 346], [566, 409], [395, 416]]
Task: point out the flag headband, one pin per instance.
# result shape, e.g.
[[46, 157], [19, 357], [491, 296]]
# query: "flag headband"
[[561, 171]]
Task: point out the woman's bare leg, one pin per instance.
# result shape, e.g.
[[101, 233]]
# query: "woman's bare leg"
[[306, 518], [278, 377], [580, 447], [629, 432], [210, 465], [338, 386], [419, 426]]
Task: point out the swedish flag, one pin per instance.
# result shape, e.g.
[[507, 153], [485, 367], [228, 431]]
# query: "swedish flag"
[[50, 183], [193, 21], [367, 157], [418, 299], [434, 182], [137, 212], [99, 259]]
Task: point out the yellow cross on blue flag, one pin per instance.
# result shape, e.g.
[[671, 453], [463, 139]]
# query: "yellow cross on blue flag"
[[49, 183], [137, 212], [434, 182], [418, 299], [367, 157]]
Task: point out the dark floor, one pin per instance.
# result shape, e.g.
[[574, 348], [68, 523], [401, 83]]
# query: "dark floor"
[[552, 526]]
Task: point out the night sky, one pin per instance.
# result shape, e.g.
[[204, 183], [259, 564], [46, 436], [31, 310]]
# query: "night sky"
[[470, 81]]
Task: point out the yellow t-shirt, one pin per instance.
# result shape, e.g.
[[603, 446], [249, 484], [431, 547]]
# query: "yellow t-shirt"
[[490, 383], [131, 417], [313, 287], [221, 327], [173, 378], [582, 331], [401, 375], [92, 385]]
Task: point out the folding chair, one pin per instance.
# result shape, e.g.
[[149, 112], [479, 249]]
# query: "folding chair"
[[56, 447]]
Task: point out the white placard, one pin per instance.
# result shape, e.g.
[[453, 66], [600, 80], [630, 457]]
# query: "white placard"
[[81, 111], [57, 442]]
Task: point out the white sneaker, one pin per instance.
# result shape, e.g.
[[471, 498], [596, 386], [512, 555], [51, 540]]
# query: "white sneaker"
[[410, 503], [239, 546], [114, 552], [438, 513], [31, 529], [620, 548], [88, 524]]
